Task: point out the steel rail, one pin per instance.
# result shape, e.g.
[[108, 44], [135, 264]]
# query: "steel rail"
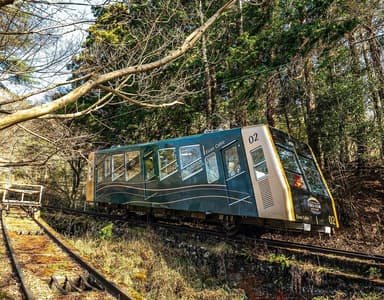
[[109, 286], [349, 254], [15, 262]]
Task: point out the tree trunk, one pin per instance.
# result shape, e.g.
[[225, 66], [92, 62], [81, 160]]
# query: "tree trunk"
[[76, 167], [241, 17], [271, 101], [359, 117], [375, 54], [375, 94], [310, 105], [207, 73]]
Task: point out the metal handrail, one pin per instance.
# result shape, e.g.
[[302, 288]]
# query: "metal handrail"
[[23, 189]]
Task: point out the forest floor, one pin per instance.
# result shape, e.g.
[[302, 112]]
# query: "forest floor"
[[158, 265]]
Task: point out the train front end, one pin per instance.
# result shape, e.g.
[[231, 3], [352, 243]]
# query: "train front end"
[[312, 202], [287, 182]]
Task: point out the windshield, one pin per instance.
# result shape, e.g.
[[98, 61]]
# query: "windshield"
[[313, 176], [297, 160], [291, 167]]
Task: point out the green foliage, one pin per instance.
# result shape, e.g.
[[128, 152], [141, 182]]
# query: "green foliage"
[[282, 260], [106, 232], [374, 272], [372, 296]]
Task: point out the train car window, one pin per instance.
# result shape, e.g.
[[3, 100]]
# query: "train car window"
[[313, 176], [167, 162], [291, 166], [132, 164], [118, 166], [149, 167], [107, 167], [288, 160], [90, 171], [281, 138], [232, 162], [303, 149], [259, 163], [191, 162], [212, 168]]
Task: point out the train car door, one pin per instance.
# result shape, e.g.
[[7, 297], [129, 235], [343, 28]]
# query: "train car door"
[[237, 181], [150, 178]]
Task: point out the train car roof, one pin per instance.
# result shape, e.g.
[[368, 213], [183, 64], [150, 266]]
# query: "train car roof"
[[210, 134]]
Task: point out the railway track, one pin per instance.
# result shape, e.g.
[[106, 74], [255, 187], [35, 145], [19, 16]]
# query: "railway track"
[[377, 260], [353, 267], [46, 267], [333, 263]]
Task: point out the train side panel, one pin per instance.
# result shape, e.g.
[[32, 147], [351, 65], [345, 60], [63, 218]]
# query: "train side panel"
[[196, 176], [241, 200], [119, 175], [205, 173], [273, 195]]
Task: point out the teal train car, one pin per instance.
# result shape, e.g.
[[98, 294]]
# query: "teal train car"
[[251, 175]]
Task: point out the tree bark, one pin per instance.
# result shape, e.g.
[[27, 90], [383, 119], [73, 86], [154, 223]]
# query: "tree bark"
[[310, 104], [375, 54], [76, 167], [207, 73], [271, 101], [375, 91]]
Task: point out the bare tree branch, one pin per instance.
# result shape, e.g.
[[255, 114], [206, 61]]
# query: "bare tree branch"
[[51, 87], [98, 79], [117, 93], [95, 106], [45, 31]]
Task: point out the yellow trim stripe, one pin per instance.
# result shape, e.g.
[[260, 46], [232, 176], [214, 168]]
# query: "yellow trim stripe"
[[327, 188], [290, 206]]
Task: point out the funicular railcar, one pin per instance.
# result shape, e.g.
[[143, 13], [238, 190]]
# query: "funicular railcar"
[[253, 175]]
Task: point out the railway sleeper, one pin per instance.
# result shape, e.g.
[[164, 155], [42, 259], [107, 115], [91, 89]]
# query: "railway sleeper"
[[55, 283], [89, 283], [37, 232], [81, 284]]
